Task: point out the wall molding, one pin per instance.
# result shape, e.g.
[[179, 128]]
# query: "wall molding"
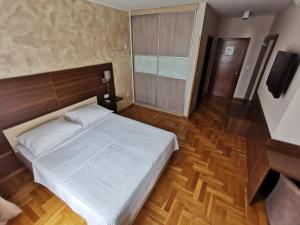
[[171, 9]]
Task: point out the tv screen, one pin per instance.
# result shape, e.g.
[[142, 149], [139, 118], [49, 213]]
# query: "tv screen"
[[282, 73]]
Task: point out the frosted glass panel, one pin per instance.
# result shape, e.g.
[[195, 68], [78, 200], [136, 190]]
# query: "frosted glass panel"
[[145, 64], [168, 66], [173, 67]]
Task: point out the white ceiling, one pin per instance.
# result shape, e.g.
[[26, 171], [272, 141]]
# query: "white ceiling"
[[231, 8], [228, 8]]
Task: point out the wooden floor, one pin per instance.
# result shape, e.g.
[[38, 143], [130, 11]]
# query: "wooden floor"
[[204, 183]]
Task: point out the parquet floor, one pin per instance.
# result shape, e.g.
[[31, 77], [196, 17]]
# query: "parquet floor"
[[204, 183]]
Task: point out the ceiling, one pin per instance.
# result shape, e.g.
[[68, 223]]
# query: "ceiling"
[[227, 8], [230, 8]]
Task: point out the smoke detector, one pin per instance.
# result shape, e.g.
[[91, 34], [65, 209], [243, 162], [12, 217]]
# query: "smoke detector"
[[247, 13]]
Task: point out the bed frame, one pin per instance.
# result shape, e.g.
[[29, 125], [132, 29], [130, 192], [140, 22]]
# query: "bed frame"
[[31, 101], [13, 132], [26, 98]]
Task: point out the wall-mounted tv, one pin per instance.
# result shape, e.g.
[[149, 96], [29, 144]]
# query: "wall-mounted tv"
[[282, 73]]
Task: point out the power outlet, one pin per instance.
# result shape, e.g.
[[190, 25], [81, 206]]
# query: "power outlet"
[[106, 96]]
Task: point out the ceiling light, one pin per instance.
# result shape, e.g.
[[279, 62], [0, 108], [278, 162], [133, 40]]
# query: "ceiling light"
[[246, 15]]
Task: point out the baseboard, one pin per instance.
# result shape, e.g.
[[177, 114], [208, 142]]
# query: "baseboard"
[[127, 107], [158, 109], [240, 100]]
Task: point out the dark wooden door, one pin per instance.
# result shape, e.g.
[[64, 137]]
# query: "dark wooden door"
[[229, 59], [205, 68]]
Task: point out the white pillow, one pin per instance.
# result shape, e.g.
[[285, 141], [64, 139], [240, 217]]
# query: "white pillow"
[[87, 115], [47, 136]]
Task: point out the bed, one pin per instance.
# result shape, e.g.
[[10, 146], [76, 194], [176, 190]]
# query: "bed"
[[104, 172]]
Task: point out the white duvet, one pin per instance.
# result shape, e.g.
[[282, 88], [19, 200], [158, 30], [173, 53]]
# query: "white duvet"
[[106, 172]]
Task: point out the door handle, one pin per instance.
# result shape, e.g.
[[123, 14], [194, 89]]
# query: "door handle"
[[236, 72]]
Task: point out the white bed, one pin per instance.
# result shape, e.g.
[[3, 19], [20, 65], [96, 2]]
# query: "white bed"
[[105, 172]]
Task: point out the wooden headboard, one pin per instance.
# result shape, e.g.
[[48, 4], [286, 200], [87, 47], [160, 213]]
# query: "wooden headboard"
[[26, 98]]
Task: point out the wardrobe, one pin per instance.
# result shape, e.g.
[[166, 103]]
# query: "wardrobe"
[[161, 46]]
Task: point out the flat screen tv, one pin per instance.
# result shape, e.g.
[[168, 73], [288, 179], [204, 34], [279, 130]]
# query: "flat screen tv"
[[282, 73]]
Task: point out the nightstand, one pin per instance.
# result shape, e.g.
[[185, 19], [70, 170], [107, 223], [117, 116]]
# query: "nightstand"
[[112, 104]]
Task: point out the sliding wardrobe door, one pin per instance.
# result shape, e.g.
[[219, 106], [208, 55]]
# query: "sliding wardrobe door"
[[175, 34], [145, 57]]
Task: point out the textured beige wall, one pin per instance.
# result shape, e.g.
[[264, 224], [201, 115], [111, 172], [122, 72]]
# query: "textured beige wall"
[[257, 28], [47, 35]]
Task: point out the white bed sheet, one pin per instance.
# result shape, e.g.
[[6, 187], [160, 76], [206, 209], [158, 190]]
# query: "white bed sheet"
[[106, 172]]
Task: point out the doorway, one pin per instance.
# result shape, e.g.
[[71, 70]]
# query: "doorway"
[[205, 68], [228, 62], [261, 64]]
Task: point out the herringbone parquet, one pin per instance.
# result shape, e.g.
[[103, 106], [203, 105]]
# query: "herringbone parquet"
[[204, 183]]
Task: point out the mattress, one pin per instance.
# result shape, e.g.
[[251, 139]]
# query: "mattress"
[[106, 172]]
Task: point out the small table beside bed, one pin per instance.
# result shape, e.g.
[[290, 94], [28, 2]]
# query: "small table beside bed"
[[101, 164]]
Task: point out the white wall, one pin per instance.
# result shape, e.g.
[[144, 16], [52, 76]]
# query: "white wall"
[[209, 27], [257, 28], [198, 27], [288, 129], [282, 115]]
